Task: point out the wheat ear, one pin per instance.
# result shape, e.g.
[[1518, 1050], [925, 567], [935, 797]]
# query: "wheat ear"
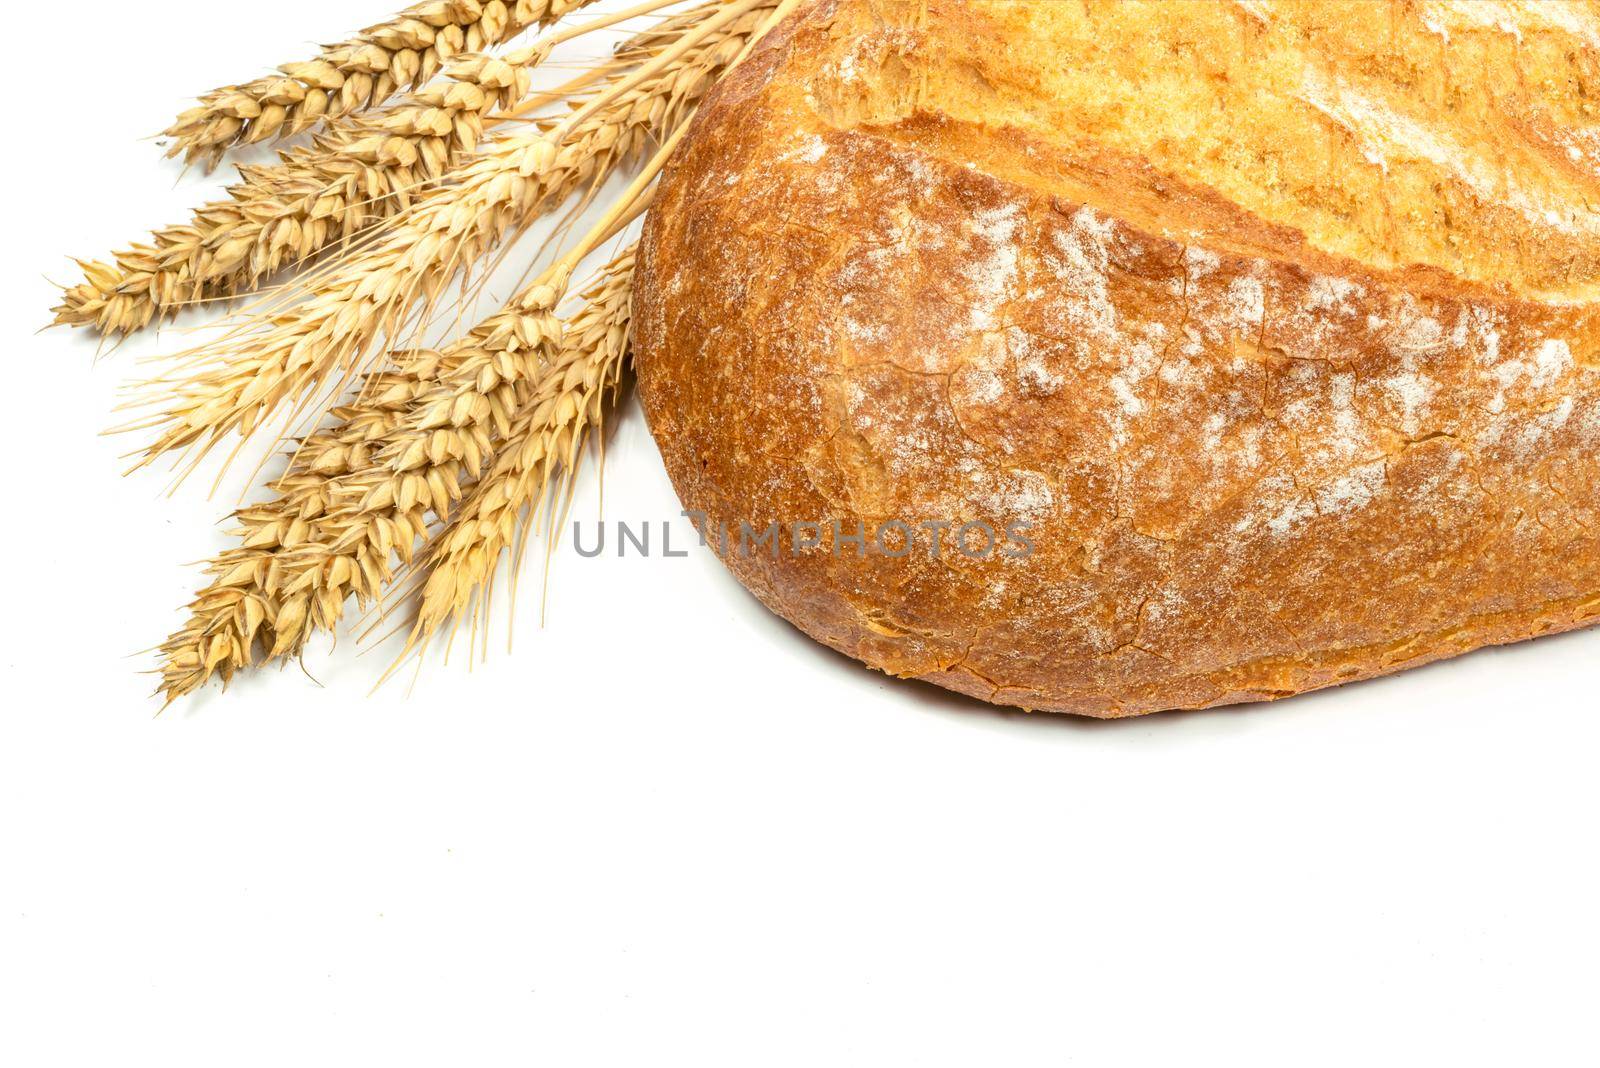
[[543, 445], [233, 621], [361, 170], [324, 340], [404, 51], [359, 493]]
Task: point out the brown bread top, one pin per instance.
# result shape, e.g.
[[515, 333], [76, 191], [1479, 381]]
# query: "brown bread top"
[[1272, 324]]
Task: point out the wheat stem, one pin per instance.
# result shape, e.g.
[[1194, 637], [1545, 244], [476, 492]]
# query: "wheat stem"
[[660, 63], [547, 43]]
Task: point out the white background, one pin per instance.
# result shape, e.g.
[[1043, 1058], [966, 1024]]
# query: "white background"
[[666, 828]]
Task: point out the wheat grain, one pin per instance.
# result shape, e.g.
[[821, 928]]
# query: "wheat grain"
[[407, 50], [324, 340]]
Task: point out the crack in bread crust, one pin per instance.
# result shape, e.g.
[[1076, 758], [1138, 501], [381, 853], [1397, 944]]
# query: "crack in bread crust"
[[1258, 451]]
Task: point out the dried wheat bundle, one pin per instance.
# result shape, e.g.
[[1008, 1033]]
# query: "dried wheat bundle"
[[439, 461], [360, 495], [361, 170], [327, 338], [406, 50], [368, 488]]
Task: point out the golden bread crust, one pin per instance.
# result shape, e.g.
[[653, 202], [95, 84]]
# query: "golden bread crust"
[[1264, 431]]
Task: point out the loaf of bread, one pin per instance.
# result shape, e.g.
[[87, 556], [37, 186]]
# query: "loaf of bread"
[[1262, 337]]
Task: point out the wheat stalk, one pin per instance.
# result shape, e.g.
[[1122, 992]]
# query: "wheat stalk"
[[358, 494], [543, 446], [235, 619], [545, 441], [324, 340], [363, 490], [404, 51], [361, 494], [360, 171]]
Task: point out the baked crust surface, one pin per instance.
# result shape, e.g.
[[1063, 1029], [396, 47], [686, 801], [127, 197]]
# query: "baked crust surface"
[[1273, 325]]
